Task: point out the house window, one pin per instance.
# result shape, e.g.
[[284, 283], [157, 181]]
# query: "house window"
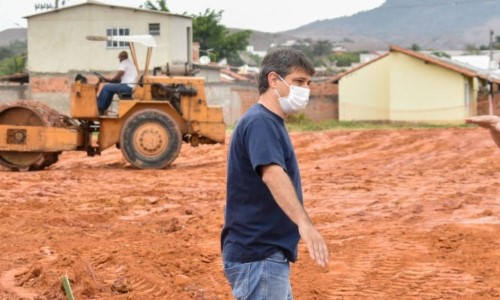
[[117, 32], [154, 28]]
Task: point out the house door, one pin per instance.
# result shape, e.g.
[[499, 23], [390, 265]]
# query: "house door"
[[467, 104]]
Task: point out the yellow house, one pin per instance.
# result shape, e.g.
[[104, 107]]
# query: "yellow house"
[[404, 85]]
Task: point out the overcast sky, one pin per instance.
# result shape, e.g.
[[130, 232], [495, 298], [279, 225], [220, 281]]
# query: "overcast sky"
[[261, 15]]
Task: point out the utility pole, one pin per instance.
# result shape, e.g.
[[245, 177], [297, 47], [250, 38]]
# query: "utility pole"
[[490, 84], [491, 48]]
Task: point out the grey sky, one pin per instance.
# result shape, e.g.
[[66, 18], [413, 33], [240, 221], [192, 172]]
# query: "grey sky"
[[262, 15]]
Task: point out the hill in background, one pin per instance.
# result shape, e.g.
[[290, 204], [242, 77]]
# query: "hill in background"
[[432, 24], [13, 34]]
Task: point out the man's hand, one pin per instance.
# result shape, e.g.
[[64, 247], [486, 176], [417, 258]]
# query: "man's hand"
[[101, 77], [315, 243], [486, 121], [490, 122], [284, 193]]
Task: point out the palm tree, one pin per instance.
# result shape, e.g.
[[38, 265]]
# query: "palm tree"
[[162, 5]]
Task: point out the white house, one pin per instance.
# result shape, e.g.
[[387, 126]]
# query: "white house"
[[58, 48], [57, 38]]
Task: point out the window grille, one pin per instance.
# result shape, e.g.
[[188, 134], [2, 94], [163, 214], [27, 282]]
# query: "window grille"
[[117, 32], [154, 28]]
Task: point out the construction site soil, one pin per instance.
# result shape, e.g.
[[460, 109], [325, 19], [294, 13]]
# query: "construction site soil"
[[407, 214]]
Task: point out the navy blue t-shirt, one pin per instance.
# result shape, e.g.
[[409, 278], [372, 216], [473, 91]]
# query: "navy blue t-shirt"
[[255, 226]]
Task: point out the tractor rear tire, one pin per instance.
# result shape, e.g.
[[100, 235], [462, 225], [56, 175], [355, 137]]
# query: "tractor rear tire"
[[150, 139]]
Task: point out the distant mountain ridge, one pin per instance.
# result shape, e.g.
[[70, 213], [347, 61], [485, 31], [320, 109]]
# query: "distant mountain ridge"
[[432, 24], [13, 34]]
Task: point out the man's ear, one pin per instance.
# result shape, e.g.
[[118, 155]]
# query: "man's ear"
[[272, 79]]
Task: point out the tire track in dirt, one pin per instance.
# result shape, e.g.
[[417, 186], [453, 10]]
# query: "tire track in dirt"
[[407, 214], [386, 190], [14, 279]]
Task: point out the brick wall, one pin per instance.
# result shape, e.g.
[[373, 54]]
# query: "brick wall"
[[10, 92], [54, 90], [483, 102], [323, 103], [50, 84], [247, 96]]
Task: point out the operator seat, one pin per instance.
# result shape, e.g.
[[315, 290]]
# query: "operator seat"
[[129, 96]]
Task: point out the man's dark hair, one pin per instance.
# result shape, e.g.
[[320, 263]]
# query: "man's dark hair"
[[282, 61], [123, 54]]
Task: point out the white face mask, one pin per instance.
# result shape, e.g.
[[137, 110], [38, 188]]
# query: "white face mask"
[[297, 98]]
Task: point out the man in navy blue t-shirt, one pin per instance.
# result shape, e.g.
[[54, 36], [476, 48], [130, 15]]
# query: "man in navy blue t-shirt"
[[264, 216]]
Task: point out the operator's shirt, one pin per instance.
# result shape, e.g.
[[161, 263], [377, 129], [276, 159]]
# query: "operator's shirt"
[[255, 226], [130, 72]]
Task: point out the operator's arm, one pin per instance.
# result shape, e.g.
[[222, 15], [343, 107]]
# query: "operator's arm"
[[118, 77], [283, 192]]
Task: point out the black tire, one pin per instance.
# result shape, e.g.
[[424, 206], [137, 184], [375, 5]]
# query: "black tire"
[[150, 139]]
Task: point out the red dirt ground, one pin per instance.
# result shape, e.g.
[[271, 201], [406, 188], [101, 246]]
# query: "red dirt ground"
[[407, 214]]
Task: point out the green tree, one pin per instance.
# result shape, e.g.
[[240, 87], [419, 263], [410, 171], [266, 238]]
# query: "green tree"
[[212, 35], [162, 5], [345, 59], [13, 58], [304, 46], [415, 47], [5, 52], [208, 31], [318, 51], [13, 65], [471, 49], [18, 64], [440, 54], [322, 48], [495, 44], [234, 43]]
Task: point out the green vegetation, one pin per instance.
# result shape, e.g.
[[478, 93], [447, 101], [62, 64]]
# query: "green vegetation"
[[320, 53], [440, 54], [345, 59], [208, 31], [301, 122], [495, 44], [415, 47], [471, 49], [162, 5], [13, 58], [214, 38]]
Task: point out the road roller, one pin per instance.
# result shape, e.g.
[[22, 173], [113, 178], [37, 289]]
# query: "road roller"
[[163, 112]]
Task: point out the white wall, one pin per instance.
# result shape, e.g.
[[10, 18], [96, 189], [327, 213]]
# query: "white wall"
[[57, 40]]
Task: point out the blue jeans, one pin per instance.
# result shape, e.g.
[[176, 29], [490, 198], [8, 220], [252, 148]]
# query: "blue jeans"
[[267, 279], [108, 91]]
